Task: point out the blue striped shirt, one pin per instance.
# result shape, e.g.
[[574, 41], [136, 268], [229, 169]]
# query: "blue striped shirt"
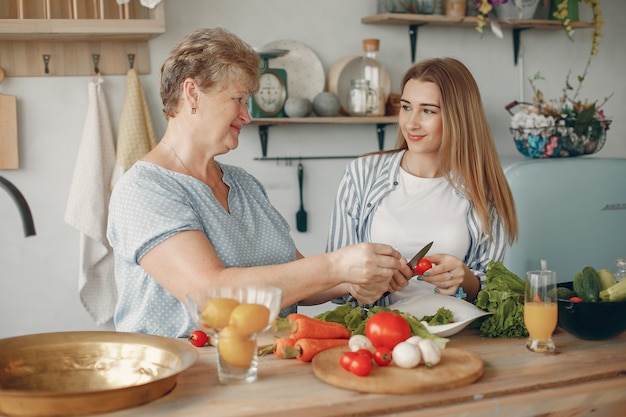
[[150, 204], [367, 181]]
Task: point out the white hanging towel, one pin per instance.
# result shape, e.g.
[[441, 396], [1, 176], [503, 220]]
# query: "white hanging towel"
[[135, 134], [87, 207]]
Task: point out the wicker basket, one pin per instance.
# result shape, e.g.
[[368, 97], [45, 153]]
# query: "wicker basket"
[[561, 141]]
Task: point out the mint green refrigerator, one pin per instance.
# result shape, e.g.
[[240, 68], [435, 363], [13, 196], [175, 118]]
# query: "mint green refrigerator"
[[571, 212]]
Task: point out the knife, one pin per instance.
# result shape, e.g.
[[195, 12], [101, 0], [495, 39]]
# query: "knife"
[[413, 262]]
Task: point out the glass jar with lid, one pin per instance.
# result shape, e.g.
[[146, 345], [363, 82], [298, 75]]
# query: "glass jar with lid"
[[621, 269], [361, 98], [376, 74]]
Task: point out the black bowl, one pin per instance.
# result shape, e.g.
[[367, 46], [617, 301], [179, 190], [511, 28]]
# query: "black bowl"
[[592, 321]]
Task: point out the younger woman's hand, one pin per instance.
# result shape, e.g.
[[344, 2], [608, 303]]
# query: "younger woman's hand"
[[447, 274]]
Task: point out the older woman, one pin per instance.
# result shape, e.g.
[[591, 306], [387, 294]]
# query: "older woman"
[[443, 182], [180, 221]]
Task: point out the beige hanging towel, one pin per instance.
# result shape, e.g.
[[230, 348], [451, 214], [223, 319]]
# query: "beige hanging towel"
[[136, 134], [87, 207]]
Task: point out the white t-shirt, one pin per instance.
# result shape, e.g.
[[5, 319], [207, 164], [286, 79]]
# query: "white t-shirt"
[[419, 211]]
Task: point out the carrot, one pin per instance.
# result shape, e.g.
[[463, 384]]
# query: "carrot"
[[306, 349], [280, 345], [277, 347], [294, 316], [285, 323], [312, 328]]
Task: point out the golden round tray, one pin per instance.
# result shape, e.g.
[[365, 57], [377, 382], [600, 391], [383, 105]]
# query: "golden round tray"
[[81, 373]]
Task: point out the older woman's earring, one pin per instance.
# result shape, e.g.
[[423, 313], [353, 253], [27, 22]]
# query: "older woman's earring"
[[193, 110]]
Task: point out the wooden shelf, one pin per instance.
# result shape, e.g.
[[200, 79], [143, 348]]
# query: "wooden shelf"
[[414, 21], [264, 123], [83, 29], [405, 19], [76, 37], [270, 121]]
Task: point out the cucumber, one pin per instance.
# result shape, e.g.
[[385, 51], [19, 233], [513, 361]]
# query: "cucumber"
[[587, 285], [564, 293], [607, 278], [616, 292]]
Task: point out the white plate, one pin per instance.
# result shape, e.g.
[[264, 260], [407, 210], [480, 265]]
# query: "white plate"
[[305, 72], [422, 305]]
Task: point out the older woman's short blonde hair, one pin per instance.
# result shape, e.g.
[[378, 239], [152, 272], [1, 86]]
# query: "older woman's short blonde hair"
[[210, 57]]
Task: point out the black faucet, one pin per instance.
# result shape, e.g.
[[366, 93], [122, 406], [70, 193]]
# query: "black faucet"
[[22, 205]]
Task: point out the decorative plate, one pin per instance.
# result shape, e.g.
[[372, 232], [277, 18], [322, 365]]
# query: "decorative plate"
[[422, 305], [305, 72], [81, 373]]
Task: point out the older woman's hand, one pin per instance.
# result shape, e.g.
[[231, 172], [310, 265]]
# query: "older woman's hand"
[[400, 278], [367, 294], [366, 263]]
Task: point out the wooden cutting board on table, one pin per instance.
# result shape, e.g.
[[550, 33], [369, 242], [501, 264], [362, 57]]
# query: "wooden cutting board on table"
[[8, 130], [458, 367]]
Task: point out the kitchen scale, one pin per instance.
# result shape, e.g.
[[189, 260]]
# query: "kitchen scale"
[[270, 100]]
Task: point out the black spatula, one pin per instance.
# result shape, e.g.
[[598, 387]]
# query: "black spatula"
[[301, 214]]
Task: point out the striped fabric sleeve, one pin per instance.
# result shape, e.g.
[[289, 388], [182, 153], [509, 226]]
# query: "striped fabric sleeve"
[[344, 221], [483, 249]]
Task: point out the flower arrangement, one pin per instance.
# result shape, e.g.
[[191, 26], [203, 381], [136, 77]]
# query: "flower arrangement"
[[561, 127], [561, 14], [485, 7]]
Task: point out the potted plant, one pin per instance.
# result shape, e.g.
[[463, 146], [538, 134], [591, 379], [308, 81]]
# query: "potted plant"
[[563, 127]]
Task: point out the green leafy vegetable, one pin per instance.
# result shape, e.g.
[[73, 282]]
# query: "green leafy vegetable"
[[503, 296], [354, 319], [442, 316]]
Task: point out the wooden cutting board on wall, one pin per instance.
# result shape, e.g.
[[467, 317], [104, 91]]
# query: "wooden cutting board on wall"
[[9, 158]]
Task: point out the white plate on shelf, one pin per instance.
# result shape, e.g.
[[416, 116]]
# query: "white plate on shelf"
[[422, 305], [305, 72]]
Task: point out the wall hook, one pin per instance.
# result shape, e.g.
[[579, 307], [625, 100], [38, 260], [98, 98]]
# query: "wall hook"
[[46, 61], [95, 58], [131, 60]]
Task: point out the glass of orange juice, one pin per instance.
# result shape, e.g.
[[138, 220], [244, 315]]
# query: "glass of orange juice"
[[540, 309]]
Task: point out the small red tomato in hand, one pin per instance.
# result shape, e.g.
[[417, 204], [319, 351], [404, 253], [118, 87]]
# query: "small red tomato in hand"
[[382, 356], [198, 338], [361, 365], [346, 359], [422, 266]]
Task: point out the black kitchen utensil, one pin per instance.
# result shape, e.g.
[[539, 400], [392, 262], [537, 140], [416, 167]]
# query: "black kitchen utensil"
[[301, 214]]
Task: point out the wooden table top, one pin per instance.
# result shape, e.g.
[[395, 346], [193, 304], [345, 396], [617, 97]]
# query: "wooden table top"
[[582, 376]]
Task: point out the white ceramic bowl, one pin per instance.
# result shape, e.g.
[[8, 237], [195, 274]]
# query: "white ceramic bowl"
[[422, 305]]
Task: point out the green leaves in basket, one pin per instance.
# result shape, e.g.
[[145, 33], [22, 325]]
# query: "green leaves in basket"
[[583, 119]]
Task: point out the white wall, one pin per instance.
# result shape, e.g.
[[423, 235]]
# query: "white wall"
[[38, 275]]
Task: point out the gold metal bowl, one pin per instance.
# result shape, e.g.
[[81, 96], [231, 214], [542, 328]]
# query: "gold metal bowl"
[[80, 373]]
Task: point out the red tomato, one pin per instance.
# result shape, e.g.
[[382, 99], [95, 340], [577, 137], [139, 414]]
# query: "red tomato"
[[576, 299], [422, 266], [382, 356], [361, 365], [387, 329], [198, 338], [346, 359], [366, 353]]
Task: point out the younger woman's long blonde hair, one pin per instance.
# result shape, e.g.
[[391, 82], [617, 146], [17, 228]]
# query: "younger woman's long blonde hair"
[[467, 156]]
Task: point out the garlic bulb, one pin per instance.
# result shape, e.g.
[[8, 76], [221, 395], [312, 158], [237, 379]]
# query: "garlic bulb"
[[431, 354]]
